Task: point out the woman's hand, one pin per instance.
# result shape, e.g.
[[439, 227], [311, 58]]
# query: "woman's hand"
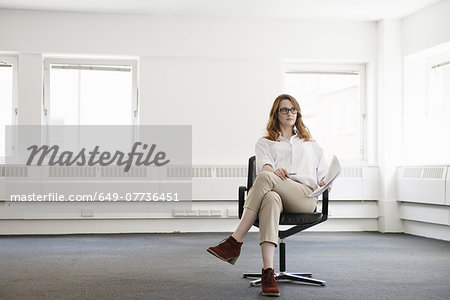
[[282, 173], [322, 183]]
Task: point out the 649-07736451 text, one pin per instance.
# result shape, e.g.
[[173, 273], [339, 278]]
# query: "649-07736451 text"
[[134, 196]]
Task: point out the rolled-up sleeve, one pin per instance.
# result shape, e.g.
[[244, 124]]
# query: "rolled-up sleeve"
[[263, 155], [322, 167]]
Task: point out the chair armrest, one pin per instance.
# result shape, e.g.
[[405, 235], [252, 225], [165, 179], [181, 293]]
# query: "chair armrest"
[[325, 203], [241, 195]]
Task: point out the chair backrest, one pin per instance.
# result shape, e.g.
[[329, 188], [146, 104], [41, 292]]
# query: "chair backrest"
[[251, 172]]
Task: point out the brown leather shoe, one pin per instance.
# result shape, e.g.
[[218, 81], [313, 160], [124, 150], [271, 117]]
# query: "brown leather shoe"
[[268, 283], [227, 250]]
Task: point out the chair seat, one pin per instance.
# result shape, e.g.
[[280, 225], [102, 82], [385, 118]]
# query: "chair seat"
[[297, 218], [294, 219]]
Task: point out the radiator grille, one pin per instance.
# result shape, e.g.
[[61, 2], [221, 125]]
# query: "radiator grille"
[[70, 172], [412, 173], [117, 171], [351, 172], [202, 172], [424, 172], [433, 172], [231, 172], [178, 172], [13, 171], [208, 171]]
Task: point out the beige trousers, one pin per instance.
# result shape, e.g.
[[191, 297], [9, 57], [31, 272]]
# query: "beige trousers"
[[270, 195]]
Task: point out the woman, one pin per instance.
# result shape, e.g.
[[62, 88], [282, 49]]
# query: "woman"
[[289, 165]]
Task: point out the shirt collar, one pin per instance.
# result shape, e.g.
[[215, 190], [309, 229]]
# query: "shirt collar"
[[295, 135]]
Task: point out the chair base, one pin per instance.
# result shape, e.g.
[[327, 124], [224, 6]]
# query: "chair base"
[[285, 276]]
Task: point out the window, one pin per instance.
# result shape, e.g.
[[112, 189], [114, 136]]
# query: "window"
[[332, 102], [90, 92], [8, 102], [426, 119]]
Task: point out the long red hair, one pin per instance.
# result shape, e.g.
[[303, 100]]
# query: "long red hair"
[[273, 125]]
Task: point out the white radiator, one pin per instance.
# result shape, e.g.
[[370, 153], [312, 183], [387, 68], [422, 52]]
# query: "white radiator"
[[209, 182], [357, 183], [423, 184], [214, 206], [447, 189], [219, 183], [222, 182]]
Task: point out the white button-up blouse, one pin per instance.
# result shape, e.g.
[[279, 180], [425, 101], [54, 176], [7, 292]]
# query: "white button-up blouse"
[[305, 159]]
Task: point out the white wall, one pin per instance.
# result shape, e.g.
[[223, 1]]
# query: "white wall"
[[218, 74], [226, 100], [424, 34], [389, 120], [30, 79], [426, 28], [34, 31]]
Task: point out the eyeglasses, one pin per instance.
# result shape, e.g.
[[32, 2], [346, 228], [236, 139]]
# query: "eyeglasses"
[[285, 110]]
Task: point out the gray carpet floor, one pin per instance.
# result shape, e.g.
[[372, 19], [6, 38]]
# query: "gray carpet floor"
[[177, 266]]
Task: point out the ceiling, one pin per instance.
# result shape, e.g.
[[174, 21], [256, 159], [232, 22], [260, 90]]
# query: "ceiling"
[[361, 10]]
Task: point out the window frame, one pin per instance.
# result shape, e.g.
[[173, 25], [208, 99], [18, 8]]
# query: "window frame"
[[418, 87], [437, 61], [133, 62], [330, 68], [12, 60]]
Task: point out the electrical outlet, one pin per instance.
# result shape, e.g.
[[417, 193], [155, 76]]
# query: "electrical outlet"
[[192, 213], [203, 212], [216, 212], [179, 213]]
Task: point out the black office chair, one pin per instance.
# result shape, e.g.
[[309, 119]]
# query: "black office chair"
[[300, 221]]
